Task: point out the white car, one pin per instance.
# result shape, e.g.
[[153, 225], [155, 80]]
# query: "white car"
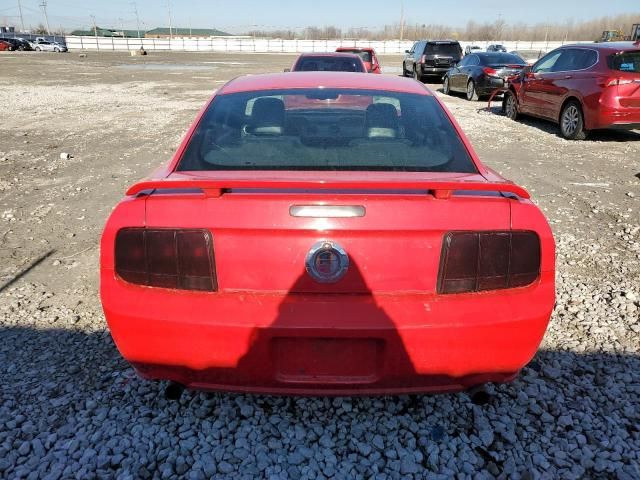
[[469, 49], [45, 46]]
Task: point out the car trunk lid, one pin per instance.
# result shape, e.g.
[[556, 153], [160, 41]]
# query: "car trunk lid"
[[264, 224]]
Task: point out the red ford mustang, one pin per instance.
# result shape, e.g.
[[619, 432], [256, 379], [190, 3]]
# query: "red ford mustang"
[[359, 248]]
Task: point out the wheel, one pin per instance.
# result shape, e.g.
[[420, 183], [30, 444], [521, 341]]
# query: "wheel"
[[445, 86], [510, 106], [572, 122], [404, 71], [38, 49], [471, 91], [57, 50], [416, 75]]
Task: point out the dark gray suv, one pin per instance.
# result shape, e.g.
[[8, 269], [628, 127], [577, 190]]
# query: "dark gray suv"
[[431, 58]]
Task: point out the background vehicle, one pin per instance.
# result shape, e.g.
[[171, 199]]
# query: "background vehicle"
[[612, 36], [5, 46], [479, 74], [472, 49], [496, 48], [368, 56], [581, 87], [529, 56], [431, 58], [329, 62], [16, 43], [253, 261], [619, 35], [45, 46]]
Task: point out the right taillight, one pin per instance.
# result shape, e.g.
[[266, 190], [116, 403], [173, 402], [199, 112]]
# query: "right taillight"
[[477, 261], [168, 258], [613, 82]]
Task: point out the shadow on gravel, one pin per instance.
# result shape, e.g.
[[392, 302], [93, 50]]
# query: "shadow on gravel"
[[553, 129], [72, 393], [26, 270]]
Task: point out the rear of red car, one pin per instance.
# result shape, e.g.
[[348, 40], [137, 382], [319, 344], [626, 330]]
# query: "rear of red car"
[[368, 56], [332, 271], [619, 104]]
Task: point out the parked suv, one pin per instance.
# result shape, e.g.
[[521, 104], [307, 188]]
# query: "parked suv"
[[431, 58], [582, 88]]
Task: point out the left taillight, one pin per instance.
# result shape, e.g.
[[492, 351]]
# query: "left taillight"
[[168, 258], [493, 260]]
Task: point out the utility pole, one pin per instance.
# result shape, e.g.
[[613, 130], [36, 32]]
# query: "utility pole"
[[43, 4], [21, 19], [95, 27], [401, 21], [135, 9], [170, 21]]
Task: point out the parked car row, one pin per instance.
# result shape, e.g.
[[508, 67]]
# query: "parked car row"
[[40, 44], [580, 87]]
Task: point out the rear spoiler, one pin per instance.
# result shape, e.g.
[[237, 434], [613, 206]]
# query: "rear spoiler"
[[215, 188]]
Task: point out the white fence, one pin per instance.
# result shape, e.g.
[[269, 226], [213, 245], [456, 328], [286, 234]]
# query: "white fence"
[[264, 45]]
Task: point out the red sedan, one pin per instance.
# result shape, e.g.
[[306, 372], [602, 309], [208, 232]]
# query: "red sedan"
[[368, 56], [582, 88], [337, 250]]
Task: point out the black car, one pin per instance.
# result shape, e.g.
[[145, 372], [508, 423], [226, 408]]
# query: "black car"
[[16, 43], [479, 74], [431, 58]]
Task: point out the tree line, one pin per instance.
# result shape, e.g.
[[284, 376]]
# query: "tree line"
[[476, 31]]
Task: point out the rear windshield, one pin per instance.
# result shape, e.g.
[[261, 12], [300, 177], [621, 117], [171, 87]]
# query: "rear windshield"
[[364, 55], [328, 64], [500, 59], [326, 129], [442, 49], [625, 62]]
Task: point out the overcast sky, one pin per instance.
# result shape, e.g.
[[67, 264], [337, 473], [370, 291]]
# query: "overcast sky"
[[242, 15]]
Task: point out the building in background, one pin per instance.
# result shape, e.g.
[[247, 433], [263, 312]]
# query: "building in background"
[[107, 32], [184, 33]]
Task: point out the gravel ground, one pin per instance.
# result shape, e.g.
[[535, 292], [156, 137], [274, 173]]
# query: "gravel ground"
[[70, 407]]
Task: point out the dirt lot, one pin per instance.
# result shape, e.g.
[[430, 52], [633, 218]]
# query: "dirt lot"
[[119, 117]]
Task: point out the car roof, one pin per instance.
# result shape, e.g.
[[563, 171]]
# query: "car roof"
[[354, 49], [329, 54], [349, 80], [613, 46]]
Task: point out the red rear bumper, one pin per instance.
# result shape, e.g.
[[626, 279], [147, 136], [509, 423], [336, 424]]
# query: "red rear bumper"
[[618, 118], [327, 344]]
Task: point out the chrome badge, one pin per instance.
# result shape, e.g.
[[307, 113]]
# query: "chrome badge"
[[327, 262]]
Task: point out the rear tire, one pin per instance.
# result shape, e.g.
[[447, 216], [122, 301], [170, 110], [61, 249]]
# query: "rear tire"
[[572, 122], [472, 94], [510, 106], [416, 75], [446, 89]]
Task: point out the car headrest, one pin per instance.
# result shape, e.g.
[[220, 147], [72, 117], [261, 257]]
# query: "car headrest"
[[267, 117], [382, 121]]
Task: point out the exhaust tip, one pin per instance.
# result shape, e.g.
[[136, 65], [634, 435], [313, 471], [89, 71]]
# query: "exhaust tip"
[[174, 391], [479, 396]]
